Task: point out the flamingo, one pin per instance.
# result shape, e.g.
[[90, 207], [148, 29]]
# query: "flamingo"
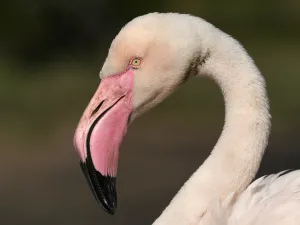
[[148, 60]]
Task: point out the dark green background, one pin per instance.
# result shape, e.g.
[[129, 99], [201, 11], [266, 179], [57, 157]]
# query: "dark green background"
[[50, 56]]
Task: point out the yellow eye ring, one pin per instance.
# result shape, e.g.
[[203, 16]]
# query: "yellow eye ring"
[[135, 62]]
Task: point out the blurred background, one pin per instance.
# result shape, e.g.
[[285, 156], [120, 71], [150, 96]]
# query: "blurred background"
[[50, 55]]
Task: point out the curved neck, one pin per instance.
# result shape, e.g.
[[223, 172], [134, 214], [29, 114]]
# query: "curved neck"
[[236, 157]]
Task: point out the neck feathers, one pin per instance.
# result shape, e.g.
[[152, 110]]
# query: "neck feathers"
[[236, 157], [239, 150]]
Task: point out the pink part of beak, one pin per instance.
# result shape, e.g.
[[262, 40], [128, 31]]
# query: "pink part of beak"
[[104, 123]]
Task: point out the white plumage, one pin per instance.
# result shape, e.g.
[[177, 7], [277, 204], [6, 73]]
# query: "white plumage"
[[273, 199]]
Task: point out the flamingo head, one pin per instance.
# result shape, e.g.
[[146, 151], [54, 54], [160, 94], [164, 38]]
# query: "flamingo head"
[[147, 60]]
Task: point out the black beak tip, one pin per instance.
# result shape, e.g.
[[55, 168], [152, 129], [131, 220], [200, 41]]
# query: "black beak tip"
[[109, 208], [107, 195], [103, 187]]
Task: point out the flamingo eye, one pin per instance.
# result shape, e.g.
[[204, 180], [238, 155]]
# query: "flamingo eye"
[[135, 63]]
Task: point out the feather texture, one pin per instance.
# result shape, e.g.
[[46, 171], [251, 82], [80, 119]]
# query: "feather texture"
[[273, 199]]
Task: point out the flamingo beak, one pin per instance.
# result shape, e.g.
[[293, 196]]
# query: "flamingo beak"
[[99, 134]]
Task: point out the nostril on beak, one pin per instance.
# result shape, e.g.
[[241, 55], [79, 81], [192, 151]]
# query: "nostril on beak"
[[97, 108]]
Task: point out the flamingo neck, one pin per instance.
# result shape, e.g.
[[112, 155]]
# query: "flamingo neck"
[[236, 157]]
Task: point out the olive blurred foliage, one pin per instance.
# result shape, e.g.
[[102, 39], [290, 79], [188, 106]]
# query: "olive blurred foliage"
[[50, 55]]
